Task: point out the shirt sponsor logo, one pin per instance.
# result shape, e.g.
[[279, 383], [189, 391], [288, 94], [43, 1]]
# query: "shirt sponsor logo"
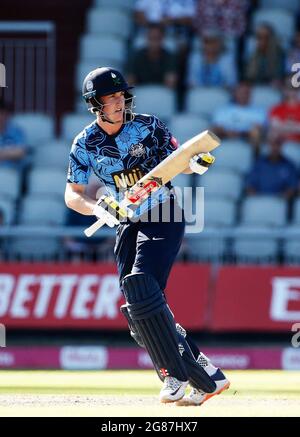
[[127, 178]]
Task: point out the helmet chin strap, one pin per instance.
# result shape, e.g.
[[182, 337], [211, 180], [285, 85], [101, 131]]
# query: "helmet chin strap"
[[105, 119]]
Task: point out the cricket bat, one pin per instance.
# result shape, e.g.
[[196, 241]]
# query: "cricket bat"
[[166, 170]]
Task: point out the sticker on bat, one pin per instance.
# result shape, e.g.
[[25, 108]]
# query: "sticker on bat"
[[144, 191]]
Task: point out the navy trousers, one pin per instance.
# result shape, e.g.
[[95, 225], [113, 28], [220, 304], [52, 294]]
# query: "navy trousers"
[[150, 247]]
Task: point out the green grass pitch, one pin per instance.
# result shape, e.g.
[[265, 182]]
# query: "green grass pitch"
[[135, 393]]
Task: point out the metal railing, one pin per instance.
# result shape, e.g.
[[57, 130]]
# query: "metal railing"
[[39, 243]]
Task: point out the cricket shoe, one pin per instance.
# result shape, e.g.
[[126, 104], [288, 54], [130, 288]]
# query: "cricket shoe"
[[198, 397], [172, 390]]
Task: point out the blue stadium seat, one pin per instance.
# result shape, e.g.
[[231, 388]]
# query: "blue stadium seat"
[[184, 126], [264, 211], [220, 183], [155, 99], [128, 5], [252, 246], [291, 151], [109, 22], [265, 97], [97, 48], [291, 242], [49, 182], [290, 5], [7, 209], [38, 128], [231, 157], [296, 212], [52, 154], [42, 210], [203, 101], [10, 183], [204, 247], [34, 248], [219, 212], [72, 124]]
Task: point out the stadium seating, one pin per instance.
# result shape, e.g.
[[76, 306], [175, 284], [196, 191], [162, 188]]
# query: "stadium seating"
[[233, 157], [34, 249], [264, 211], [72, 124], [42, 210], [38, 128], [253, 246], [155, 99], [219, 212], [291, 240], [97, 48], [185, 126], [290, 5], [220, 183], [292, 151], [128, 5], [7, 209], [109, 21], [52, 154], [203, 101], [265, 97], [10, 182], [205, 247], [50, 182]]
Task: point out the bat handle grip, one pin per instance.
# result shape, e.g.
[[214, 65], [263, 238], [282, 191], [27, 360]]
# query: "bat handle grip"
[[94, 227]]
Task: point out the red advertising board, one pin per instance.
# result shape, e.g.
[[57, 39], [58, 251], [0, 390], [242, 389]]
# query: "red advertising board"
[[88, 295], [256, 299]]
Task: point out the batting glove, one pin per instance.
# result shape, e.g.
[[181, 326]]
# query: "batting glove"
[[104, 215], [200, 163]]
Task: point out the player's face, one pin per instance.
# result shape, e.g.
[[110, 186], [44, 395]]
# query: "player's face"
[[114, 105]]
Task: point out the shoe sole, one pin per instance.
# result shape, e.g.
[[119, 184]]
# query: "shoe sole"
[[169, 401], [187, 403]]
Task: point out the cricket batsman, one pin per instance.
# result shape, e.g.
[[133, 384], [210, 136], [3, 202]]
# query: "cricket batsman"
[[120, 147]]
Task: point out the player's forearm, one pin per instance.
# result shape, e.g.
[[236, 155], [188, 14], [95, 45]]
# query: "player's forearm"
[[80, 203]]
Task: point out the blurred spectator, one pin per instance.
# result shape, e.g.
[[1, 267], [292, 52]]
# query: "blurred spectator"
[[167, 12], [12, 140], [147, 12], [240, 119], [179, 17], [228, 16], [293, 55], [153, 64], [212, 65], [266, 64], [273, 173], [285, 117]]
